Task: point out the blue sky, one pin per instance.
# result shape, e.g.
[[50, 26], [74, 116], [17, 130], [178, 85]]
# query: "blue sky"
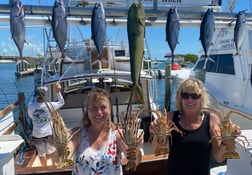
[[188, 38]]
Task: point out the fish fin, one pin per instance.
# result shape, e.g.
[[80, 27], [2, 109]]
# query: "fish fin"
[[204, 67], [229, 24], [211, 59], [206, 58], [140, 93], [142, 22]]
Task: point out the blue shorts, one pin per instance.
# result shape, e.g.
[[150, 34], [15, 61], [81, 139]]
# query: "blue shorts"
[[44, 145]]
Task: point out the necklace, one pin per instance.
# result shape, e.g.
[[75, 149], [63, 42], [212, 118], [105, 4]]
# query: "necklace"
[[189, 125]]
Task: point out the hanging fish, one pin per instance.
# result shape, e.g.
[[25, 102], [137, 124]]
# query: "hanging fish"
[[207, 29], [239, 30], [98, 27], [136, 34], [59, 25], [172, 29], [17, 25]]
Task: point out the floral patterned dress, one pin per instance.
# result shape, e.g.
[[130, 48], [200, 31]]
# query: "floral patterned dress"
[[106, 161]]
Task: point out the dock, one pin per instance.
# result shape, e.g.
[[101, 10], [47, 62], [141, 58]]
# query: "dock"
[[29, 71], [7, 61]]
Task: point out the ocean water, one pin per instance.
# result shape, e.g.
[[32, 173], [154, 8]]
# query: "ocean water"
[[10, 86]]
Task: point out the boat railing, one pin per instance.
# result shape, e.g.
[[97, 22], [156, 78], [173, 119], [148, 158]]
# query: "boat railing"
[[7, 113], [8, 109]]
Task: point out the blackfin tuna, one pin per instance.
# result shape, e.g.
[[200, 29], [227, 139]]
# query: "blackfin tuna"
[[239, 30], [98, 27], [59, 25], [136, 34], [17, 25], [172, 29], [207, 29]]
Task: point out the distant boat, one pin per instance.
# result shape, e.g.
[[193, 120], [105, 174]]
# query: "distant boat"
[[229, 82], [177, 59]]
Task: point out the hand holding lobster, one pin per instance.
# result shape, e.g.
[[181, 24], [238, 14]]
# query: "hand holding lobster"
[[228, 133], [161, 129], [132, 138]]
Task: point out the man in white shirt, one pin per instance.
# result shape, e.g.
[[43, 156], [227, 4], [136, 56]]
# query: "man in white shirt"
[[42, 124]]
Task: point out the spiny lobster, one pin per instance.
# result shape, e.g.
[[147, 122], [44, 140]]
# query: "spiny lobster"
[[164, 129], [226, 136]]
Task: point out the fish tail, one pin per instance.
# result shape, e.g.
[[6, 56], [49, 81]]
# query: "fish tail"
[[136, 94], [63, 55]]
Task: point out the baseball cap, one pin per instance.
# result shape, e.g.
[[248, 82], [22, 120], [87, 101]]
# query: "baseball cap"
[[41, 91]]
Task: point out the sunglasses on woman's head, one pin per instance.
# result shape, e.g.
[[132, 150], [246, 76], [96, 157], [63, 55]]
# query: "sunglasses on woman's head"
[[194, 96]]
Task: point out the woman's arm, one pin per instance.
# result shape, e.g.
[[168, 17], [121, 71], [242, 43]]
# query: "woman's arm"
[[218, 149], [74, 142]]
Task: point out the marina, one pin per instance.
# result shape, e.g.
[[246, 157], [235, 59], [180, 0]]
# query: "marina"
[[132, 79]]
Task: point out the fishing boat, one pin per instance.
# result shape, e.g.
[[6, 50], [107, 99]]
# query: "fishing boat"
[[78, 73], [227, 78]]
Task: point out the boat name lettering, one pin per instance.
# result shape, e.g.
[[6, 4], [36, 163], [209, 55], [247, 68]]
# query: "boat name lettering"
[[227, 46], [227, 43]]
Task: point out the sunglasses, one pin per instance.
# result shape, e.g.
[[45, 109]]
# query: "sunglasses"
[[194, 96]]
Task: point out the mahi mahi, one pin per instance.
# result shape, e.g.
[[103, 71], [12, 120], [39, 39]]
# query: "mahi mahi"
[[17, 25], [239, 30], [172, 29], [136, 34], [59, 25], [207, 29], [98, 27]]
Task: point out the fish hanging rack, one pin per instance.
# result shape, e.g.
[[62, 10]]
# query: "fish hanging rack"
[[39, 14]]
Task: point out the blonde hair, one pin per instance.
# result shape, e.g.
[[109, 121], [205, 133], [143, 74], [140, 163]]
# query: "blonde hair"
[[193, 85], [93, 95]]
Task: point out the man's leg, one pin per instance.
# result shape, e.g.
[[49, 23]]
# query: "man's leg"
[[52, 156], [43, 160]]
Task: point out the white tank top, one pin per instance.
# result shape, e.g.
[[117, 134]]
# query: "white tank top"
[[106, 161]]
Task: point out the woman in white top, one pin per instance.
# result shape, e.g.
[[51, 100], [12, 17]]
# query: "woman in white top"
[[97, 146]]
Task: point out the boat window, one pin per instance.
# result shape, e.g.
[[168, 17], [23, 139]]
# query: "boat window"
[[199, 65], [212, 66], [119, 53], [222, 64], [226, 64]]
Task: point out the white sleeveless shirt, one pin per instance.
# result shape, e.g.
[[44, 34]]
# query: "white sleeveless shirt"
[[106, 161]]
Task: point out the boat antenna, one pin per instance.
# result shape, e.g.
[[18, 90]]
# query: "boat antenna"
[[115, 81]]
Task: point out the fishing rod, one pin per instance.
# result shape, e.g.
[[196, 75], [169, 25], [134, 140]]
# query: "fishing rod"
[[5, 96]]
